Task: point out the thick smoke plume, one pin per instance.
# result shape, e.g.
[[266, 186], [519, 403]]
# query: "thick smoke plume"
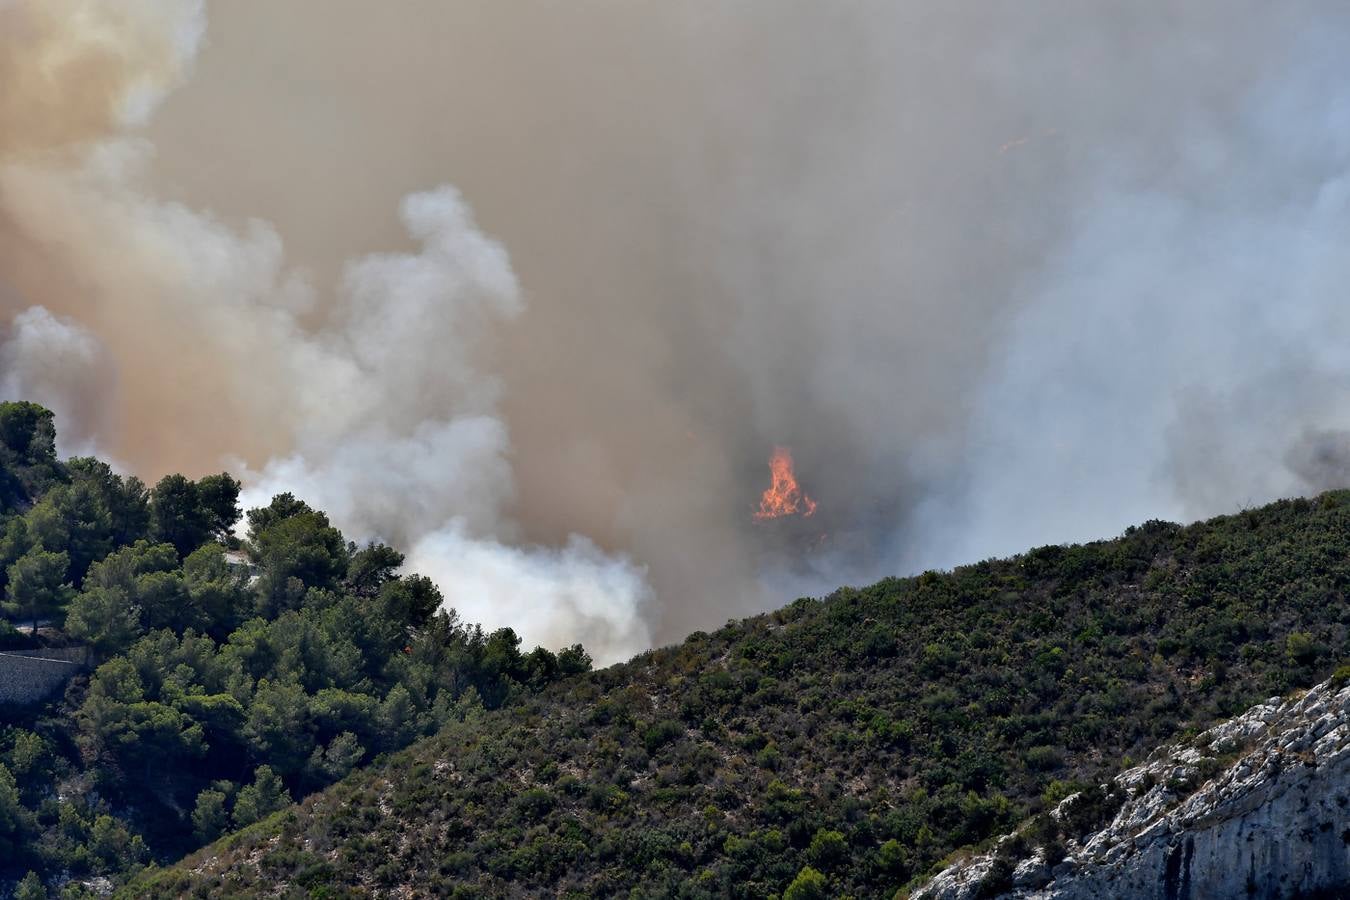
[[997, 275], [380, 408]]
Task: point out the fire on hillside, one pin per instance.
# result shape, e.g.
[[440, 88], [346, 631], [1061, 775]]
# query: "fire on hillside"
[[783, 497]]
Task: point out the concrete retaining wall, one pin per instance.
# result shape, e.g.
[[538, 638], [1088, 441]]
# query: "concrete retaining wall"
[[27, 676]]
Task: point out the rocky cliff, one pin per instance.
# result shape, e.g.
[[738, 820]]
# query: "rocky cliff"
[[1256, 807]]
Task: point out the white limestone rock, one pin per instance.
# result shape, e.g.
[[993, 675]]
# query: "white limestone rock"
[[1272, 821]]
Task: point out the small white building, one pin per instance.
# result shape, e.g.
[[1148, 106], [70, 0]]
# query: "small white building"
[[238, 561]]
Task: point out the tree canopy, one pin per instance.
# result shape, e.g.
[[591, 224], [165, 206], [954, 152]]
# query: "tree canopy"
[[221, 691]]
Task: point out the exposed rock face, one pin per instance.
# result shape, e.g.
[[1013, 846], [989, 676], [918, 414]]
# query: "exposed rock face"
[[1271, 819]]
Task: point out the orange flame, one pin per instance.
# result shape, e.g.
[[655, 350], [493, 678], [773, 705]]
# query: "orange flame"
[[784, 497]]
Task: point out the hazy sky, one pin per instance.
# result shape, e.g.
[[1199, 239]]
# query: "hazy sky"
[[535, 288]]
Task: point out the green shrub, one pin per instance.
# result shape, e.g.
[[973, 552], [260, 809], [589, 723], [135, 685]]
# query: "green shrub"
[[808, 885], [659, 734], [827, 849]]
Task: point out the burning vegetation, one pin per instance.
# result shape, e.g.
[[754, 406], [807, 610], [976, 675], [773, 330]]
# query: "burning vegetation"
[[784, 497]]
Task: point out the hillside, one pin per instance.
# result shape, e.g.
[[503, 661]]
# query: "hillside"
[[835, 747]]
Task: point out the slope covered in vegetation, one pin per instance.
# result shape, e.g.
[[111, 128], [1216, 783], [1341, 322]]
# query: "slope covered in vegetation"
[[225, 686], [836, 747]]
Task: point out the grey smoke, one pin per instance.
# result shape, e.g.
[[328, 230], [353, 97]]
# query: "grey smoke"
[[1322, 459], [999, 274]]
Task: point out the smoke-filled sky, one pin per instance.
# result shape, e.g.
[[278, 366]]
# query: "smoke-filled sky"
[[534, 289]]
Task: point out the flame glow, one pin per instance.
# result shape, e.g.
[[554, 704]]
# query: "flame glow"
[[784, 497]]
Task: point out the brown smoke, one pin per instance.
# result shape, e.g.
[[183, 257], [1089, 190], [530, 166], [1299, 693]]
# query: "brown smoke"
[[74, 70]]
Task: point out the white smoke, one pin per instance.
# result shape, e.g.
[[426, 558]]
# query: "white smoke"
[[411, 327], [55, 362], [390, 420], [1183, 353], [568, 594]]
